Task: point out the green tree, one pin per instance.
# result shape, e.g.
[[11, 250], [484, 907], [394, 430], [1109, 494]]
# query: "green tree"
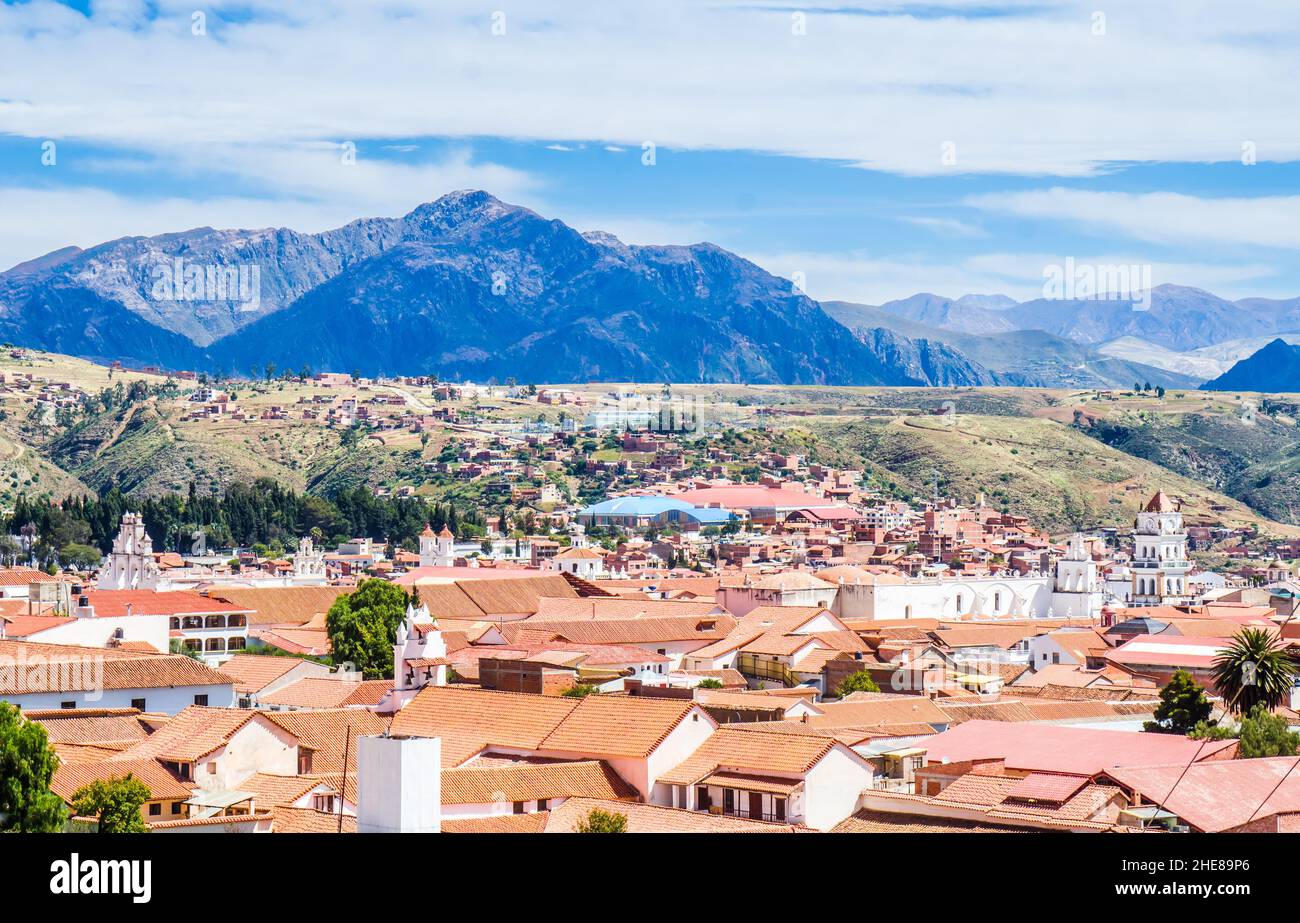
[[1254, 669], [116, 802], [363, 626], [1260, 733], [709, 683], [82, 557], [1183, 706], [860, 681], [27, 763], [580, 691], [600, 821], [1264, 734]]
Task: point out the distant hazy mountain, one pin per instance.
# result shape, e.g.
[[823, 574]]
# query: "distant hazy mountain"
[[1276, 367], [1021, 357], [1178, 318], [968, 314], [467, 286]]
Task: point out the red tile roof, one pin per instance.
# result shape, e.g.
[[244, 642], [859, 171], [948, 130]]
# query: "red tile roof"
[[1055, 748]]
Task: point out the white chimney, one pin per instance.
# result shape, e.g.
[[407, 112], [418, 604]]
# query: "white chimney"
[[399, 784]]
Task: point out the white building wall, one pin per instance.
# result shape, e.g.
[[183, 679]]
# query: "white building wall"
[[259, 746], [97, 632], [399, 784], [993, 597], [833, 786], [169, 700]]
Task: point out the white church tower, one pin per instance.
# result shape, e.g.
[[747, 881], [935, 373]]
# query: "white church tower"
[[308, 563], [419, 657], [1160, 565], [437, 550], [130, 564], [1077, 592]]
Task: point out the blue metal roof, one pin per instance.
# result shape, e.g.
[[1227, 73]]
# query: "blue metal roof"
[[653, 506]]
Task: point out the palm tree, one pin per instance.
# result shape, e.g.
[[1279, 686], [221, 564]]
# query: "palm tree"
[[1254, 669]]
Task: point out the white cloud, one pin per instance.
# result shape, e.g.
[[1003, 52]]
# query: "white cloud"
[[1161, 217], [951, 227], [1033, 93]]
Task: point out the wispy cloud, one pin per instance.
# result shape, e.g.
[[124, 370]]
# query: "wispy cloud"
[[1020, 88], [1160, 217]]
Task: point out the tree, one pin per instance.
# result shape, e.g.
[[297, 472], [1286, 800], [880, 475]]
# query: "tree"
[[600, 821], [1254, 669], [1183, 706], [116, 802], [1264, 734], [82, 557], [709, 683], [363, 626], [1260, 734], [860, 681], [580, 691], [27, 763]]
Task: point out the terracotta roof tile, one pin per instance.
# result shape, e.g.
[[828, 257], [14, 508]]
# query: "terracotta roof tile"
[[534, 781], [70, 777]]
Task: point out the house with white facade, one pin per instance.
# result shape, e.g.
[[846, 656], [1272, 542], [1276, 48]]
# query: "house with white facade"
[[58, 676], [769, 771]]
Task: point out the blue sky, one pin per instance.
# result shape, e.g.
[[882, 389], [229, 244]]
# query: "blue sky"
[[878, 149]]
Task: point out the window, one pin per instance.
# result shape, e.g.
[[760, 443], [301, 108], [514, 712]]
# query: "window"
[[155, 809], [176, 806], [212, 768], [66, 705], [1056, 658], [702, 800], [779, 804], [543, 804], [200, 700], [519, 807], [728, 801], [304, 762], [137, 704]]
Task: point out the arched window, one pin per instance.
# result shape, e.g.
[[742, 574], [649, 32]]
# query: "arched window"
[[216, 644], [214, 621]]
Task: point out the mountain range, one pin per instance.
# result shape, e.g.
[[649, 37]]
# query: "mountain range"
[[468, 286], [464, 287]]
